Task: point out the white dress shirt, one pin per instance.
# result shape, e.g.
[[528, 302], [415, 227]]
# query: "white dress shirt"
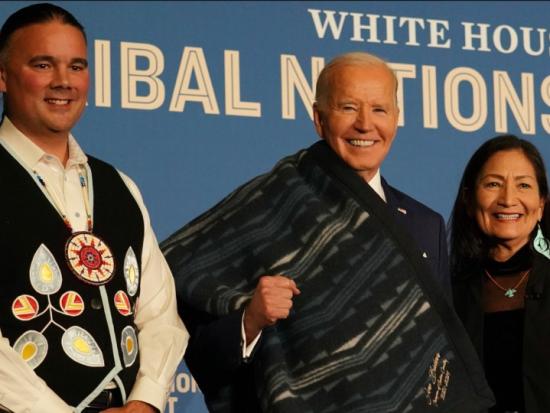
[[162, 336], [376, 184]]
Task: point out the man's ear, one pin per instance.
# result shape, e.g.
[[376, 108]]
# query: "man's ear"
[[318, 120], [2, 78], [397, 111]]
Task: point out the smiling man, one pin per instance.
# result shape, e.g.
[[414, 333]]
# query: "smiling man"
[[356, 111], [77, 245], [356, 114], [317, 287]]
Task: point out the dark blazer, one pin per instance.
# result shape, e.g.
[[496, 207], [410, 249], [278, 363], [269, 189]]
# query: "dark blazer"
[[214, 351], [427, 229], [536, 335]]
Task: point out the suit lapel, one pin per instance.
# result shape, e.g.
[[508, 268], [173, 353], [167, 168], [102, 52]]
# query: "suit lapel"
[[394, 202], [402, 215]]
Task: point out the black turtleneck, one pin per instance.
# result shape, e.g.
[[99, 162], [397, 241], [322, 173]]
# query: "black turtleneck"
[[522, 260], [503, 338]]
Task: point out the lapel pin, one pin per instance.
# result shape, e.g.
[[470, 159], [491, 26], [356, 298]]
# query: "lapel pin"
[[424, 255], [402, 210]]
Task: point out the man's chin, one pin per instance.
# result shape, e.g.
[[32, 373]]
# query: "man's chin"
[[61, 127], [367, 173], [58, 133]]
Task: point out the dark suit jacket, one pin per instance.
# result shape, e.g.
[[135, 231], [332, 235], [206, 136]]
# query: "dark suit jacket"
[[214, 351], [427, 228]]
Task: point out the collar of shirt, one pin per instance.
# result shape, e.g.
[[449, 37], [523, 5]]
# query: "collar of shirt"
[[376, 184], [31, 154], [63, 183]]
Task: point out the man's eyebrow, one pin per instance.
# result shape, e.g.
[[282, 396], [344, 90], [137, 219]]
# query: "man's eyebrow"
[[80, 60], [42, 58], [47, 58]]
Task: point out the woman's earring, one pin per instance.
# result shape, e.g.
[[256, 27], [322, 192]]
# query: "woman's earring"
[[541, 244]]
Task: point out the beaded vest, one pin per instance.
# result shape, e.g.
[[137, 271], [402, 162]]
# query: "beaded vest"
[[76, 336]]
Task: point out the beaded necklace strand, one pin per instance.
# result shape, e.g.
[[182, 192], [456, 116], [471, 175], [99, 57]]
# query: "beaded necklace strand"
[[509, 292]]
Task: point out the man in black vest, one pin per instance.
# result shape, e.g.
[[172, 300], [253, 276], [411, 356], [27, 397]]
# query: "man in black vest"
[[89, 320]]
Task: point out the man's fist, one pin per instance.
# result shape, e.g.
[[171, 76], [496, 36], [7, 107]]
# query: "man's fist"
[[272, 301]]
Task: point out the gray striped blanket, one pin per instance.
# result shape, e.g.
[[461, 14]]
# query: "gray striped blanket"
[[371, 332]]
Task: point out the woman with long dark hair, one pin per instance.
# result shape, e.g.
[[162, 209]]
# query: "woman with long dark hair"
[[500, 265]]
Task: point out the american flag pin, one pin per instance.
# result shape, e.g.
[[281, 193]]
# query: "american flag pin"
[[402, 210]]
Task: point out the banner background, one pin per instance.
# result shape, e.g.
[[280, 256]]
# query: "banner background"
[[192, 99]]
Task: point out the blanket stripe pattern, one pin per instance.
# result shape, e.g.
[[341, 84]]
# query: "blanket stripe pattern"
[[370, 331]]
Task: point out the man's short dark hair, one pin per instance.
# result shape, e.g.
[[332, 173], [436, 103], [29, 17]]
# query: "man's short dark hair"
[[34, 14], [27, 16]]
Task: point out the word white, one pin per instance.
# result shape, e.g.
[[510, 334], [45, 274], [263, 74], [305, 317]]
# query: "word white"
[[294, 82], [416, 31]]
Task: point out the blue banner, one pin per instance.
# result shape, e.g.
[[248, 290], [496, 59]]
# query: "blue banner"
[[192, 99]]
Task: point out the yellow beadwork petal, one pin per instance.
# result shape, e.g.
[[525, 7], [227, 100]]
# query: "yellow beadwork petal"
[[129, 344], [32, 347], [46, 273], [132, 274], [28, 351], [81, 345]]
